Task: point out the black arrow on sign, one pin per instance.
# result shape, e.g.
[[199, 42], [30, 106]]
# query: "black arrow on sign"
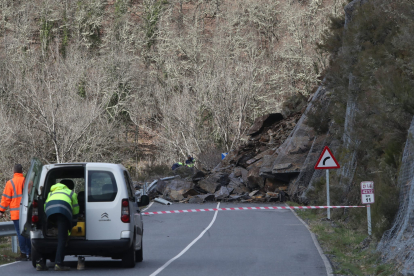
[[324, 160]]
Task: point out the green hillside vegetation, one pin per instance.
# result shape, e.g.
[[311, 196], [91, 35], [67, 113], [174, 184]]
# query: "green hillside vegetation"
[[375, 50]]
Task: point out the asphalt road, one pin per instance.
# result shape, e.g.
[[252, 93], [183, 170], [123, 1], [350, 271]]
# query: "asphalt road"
[[243, 242]]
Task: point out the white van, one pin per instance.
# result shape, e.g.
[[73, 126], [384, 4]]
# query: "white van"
[[110, 222]]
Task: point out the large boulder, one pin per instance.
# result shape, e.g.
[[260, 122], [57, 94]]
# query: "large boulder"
[[209, 184], [254, 179], [201, 198], [175, 195], [212, 183], [241, 172], [237, 186], [176, 188], [224, 192]]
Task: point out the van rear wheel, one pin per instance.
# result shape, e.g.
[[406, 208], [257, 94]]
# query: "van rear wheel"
[[128, 259], [35, 256], [139, 254]]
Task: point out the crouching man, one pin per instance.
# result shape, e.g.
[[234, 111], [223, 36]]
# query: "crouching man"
[[61, 207]]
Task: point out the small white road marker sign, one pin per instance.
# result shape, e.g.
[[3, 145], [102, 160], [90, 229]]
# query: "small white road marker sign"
[[326, 160], [367, 197], [367, 192]]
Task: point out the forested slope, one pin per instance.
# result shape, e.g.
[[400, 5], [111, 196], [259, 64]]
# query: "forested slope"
[[92, 80]]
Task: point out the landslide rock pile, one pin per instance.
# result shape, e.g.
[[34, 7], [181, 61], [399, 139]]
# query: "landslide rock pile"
[[275, 163], [240, 175]]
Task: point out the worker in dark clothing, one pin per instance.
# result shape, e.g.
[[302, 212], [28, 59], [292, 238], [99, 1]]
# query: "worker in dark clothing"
[[190, 162], [61, 207], [176, 165]]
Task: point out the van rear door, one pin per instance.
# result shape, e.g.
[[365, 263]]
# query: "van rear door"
[[30, 189], [103, 200]]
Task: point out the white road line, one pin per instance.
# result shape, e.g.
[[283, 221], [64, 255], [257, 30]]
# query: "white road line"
[[147, 207], [188, 246], [10, 263], [328, 267]]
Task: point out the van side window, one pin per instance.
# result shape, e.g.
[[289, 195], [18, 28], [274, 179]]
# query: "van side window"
[[129, 185], [101, 186]]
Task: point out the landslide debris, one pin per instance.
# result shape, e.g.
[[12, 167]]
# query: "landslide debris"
[[276, 151], [238, 177]]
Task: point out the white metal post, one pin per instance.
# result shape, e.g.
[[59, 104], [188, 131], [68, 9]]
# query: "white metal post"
[[14, 244], [369, 219], [327, 194]]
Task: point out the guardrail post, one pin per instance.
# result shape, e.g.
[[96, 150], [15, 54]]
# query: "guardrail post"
[[14, 244]]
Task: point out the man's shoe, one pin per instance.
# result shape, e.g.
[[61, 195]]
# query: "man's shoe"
[[22, 257], [61, 268], [41, 267]]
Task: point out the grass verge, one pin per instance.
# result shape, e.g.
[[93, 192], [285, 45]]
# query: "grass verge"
[[6, 254], [350, 250]]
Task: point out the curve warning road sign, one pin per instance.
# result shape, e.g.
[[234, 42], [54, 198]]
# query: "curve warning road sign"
[[326, 160]]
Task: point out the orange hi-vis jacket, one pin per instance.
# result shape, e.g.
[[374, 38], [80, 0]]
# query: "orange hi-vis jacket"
[[12, 195]]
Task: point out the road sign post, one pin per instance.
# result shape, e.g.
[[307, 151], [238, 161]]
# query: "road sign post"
[[367, 197], [328, 203], [325, 162]]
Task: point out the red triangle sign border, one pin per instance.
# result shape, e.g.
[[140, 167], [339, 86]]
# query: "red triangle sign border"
[[320, 158]]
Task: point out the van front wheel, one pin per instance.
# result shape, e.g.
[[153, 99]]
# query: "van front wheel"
[[128, 259]]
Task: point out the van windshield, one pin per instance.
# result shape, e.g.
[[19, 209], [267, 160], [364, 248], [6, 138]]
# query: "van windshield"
[[101, 186]]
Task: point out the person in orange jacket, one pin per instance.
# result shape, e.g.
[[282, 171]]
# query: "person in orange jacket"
[[12, 195]]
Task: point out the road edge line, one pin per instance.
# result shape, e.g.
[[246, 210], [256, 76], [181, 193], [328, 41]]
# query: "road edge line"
[[156, 272], [327, 263], [9, 264]]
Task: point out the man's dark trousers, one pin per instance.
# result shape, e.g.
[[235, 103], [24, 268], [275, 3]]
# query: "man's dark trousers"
[[24, 243], [63, 226]]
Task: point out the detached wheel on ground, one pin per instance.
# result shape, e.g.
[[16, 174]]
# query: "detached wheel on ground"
[[139, 253], [128, 259], [35, 256]]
